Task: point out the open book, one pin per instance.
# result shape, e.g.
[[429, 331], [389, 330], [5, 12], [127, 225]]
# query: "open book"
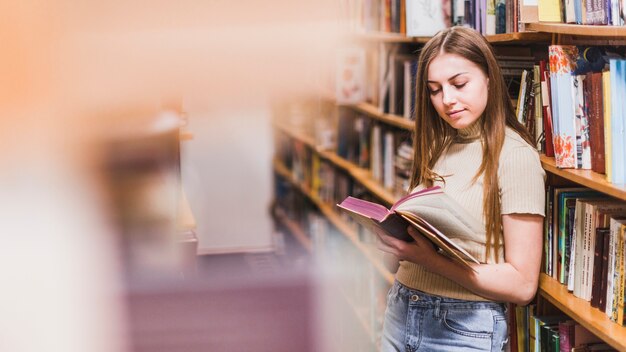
[[432, 212]]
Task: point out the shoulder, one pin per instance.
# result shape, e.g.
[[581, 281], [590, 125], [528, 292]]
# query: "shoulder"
[[515, 146]]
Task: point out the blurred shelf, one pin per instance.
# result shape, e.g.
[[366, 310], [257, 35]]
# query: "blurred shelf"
[[363, 176], [505, 38], [580, 310], [618, 32], [586, 178], [340, 224], [394, 120], [359, 313], [295, 229]]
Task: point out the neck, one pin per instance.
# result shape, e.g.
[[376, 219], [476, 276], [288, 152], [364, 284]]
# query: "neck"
[[470, 132]]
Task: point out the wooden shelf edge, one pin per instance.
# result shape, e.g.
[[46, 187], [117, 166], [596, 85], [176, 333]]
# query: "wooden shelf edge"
[[337, 222], [394, 120], [296, 231], [359, 315], [586, 178], [617, 32], [495, 38], [363, 176], [580, 310]]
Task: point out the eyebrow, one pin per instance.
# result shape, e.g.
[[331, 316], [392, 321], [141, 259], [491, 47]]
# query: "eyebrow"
[[451, 78]]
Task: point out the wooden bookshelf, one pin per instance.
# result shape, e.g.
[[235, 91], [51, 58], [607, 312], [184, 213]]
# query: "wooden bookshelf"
[[394, 120], [363, 176], [586, 178], [512, 38], [295, 230], [580, 310], [336, 220], [536, 33], [359, 316], [617, 32]]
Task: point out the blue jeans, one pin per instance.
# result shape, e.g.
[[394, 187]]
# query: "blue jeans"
[[417, 321]]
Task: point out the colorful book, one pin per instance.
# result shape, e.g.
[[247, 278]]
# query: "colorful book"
[[426, 18], [562, 65], [618, 115], [431, 211], [594, 88]]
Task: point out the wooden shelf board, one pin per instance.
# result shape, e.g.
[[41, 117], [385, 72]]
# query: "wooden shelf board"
[[363, 176], [580, 310], [519, 37], [394, 120], [389, 37], [296, 231], [301, 136], [618, 32], [359, 315], [586, 178], [337, 222]]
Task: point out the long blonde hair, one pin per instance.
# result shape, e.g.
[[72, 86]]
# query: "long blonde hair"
[[432, 135]]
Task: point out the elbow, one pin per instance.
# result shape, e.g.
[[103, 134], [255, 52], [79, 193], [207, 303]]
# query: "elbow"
[[525, 294]]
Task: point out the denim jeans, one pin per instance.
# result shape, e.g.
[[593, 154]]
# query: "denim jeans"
[[417, 321]]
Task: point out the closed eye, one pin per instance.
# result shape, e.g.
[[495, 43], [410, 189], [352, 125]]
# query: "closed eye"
[[459, 86]]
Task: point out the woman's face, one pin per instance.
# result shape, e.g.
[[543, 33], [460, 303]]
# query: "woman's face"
[[458, 89]]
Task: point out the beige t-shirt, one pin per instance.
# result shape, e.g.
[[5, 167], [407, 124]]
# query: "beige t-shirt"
[[522, 190]]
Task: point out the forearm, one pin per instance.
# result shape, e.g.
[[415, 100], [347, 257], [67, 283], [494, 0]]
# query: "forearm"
[[498, 282]]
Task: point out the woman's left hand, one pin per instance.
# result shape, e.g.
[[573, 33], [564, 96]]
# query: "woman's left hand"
[[421, 251]]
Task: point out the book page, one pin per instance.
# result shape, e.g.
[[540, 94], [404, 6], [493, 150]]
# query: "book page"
[[446, 215]]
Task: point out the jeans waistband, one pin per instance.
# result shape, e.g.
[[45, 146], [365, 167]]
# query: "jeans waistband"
[[425, 298]]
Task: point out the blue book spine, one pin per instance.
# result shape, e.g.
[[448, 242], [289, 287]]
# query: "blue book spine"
[[618, 91]]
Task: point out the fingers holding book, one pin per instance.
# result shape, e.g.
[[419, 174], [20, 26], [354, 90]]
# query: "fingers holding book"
[[420, 251]]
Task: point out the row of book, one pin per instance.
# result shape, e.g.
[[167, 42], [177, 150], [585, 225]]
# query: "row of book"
[[385, 150], [357, 300], [569, 102], [551, 331], [384, 75], [585, 246], [581, 119], [425, 18], [589, 12]]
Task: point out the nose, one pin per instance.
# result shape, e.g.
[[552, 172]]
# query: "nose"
[[449, 96]]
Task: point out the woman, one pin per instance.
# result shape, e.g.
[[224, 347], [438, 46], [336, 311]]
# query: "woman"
[[468, 141]]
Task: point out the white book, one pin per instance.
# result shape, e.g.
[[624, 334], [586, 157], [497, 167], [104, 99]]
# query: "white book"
[[426, 18], [612, 251], [582, 125], [350, 76], [570, 14]]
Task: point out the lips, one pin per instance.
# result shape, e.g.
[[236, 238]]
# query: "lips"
[[454, 113]]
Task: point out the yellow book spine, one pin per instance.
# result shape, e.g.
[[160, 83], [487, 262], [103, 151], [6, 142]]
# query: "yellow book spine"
[[549, 11]]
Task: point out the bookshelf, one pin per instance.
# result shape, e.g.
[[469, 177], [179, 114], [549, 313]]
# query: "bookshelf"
[[585, 178], [340, 224], [593, 32], [537, 34], [581, 311], [514, 38]]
